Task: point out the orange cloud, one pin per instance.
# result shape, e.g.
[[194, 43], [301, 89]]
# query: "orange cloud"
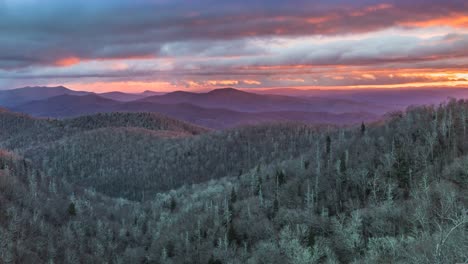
[[455, 20], [287, 79], [368, 76], [321, 19], [68, 61], [338, 78], [251, 82], [118, 65], [221, 82]]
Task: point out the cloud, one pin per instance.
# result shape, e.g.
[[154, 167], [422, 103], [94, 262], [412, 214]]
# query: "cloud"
[[44, 33], [68, 61], [208, 43]]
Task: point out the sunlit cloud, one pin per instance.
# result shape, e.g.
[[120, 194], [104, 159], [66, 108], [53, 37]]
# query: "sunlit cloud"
[[454, 20], [68, 61]]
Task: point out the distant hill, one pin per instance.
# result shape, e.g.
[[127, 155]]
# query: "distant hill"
[[218, 118], [127, 97], [19, 96], [67, 106], [236, 100], [148, 93], [402, 98], [14, 97], [389, 99], [375, 101], [23, 131], [218, 109], [122, 97], [151, 121]]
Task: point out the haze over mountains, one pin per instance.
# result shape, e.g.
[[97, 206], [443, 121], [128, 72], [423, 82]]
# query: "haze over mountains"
[[227, 107], [390, 98]]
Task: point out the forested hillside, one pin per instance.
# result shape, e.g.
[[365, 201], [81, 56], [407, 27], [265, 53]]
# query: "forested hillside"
[[389, 192], [19, 131], [130, 164]]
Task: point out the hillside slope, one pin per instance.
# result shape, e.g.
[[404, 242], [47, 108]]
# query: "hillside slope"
[[122, 163], [393, 192], [20, 131]]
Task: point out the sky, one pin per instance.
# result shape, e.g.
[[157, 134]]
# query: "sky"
[[194, 45]]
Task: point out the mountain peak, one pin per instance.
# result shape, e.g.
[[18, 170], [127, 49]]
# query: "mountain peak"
[[149, 92], [227, 90], [180, 92]]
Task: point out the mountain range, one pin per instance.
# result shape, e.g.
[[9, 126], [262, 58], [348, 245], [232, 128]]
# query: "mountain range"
[[228, 107], [219, 109]]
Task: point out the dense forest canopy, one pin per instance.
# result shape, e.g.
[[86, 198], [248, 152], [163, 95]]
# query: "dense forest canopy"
[[138, 188]]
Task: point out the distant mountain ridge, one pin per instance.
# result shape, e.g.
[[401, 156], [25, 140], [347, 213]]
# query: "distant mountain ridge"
[[127, 97], [9, 98], [228, 107], [67, 106], [237, 100], [19, 96], [391, 99], [218, 118]]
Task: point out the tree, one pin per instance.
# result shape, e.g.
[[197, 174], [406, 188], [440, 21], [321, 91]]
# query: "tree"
[[173, 204], [311, 238], [71, 209], [292, 248], [212, 260], [280, 177], [258, 186], [232, 234], [233, 198], [328, 144], [342, 167]]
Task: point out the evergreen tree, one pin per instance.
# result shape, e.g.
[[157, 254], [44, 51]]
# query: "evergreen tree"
[[280, 177], [233, 198], [71, 209], [173, 204], [232, 234], [212, 260], [328, 144], [310, 238]]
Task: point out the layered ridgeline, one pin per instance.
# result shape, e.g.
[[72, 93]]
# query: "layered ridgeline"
[[218, 109], [393, 192]]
